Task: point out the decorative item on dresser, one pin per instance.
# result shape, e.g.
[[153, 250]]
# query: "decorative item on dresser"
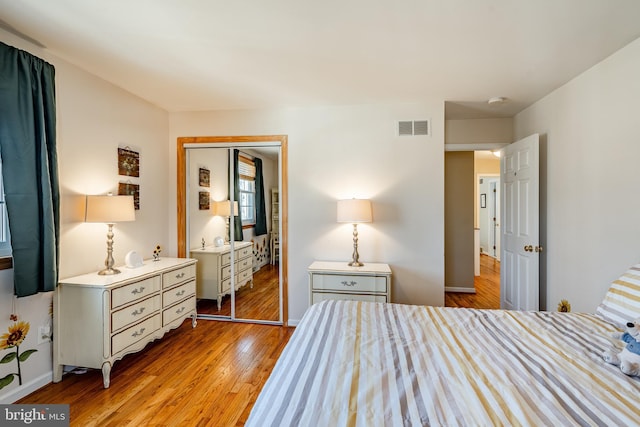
[[100, 319], [337, 280], [214, 269]]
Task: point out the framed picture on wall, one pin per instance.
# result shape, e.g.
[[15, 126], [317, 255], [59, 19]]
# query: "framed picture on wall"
[[205, 177], [129, 189], [203, 200], [483, 200], [128, 162]]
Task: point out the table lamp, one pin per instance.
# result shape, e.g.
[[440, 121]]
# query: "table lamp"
[[354, 211], [109, 209], [223, 208]]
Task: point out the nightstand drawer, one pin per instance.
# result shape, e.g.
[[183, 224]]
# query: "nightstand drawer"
[[134, 291], [178, 293], [178, 276], [349, 283], [134, 313], [322, 296], [134, 334]]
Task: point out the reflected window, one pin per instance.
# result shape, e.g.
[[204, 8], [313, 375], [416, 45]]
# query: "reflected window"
[[247, 185]]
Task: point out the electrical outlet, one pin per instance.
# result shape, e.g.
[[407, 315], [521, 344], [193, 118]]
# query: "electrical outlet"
[[44, 334]]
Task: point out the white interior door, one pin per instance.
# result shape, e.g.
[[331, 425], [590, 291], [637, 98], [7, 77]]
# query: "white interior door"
[[494, 217], [519, 266]]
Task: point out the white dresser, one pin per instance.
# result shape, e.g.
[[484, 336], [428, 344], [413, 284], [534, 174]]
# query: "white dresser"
[[214, 269], [100, 319], [337, 280]]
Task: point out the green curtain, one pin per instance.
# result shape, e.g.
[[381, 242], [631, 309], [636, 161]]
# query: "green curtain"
[[30, 168], [261, 212], [238, 235]]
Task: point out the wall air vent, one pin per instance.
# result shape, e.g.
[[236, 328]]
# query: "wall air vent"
[[413, 127]]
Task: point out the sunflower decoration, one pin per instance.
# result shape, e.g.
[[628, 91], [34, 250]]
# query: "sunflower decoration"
[[156, 253], [564, 306], [10, 340]]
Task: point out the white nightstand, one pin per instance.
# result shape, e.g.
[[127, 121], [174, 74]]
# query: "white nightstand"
[[337, 280]]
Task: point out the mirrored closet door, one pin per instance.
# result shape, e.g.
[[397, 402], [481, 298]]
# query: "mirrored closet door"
[[233, 227]]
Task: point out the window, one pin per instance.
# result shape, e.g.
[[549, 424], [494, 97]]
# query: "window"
[[5, 241], [247, 185]]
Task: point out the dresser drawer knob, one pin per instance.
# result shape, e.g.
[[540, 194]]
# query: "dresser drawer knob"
[[349, 283], [138, 333], [139, 311], [179, 294], [180, 276], [180, 310], [138, 291]]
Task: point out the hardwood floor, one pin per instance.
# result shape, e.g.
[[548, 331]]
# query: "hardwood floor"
[[207, 376], [259, 303], [487, 288]]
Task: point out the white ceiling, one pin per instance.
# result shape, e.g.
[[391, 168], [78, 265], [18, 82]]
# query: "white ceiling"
[[211, 54]]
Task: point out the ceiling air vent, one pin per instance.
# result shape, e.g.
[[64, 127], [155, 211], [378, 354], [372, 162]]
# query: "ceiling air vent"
[[413, 127]]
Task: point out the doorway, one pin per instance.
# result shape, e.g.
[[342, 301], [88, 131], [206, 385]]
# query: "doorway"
[[489, 214], [475, 207], [240, 279]]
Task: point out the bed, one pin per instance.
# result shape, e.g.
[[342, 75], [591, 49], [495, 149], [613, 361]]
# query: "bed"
[[372, 364]]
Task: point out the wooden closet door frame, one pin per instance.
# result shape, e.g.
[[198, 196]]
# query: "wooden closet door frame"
[[182, 196]]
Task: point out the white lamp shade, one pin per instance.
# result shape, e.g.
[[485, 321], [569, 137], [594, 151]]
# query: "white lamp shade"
[[223, 208], [354, 211], [109, 209]]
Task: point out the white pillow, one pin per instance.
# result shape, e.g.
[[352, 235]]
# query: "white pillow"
[[621, 304]]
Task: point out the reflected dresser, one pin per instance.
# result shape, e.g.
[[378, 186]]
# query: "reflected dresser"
[[214, 269]]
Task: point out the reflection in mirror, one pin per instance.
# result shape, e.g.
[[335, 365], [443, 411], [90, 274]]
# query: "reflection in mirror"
[[246, 231]]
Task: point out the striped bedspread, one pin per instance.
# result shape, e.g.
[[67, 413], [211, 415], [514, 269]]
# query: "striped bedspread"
[[370, 364]]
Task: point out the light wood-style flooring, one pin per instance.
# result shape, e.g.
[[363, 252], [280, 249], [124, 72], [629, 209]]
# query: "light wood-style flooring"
[[260, 302], [207, 376], [487, 288]]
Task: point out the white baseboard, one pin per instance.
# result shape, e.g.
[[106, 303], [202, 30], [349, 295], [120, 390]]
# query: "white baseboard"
[[26, 389], [293, 322], [459, 289]]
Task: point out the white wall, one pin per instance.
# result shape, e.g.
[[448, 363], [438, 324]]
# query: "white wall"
[[479, 131], [589, 154], [202, 223], [344, 152], [94, 118]]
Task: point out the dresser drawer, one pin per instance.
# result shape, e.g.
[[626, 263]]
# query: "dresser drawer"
[[243, 277], [134, 334], [135, 312], [226, 272], [244, 264], [349, 283], [178, 293], [244, 252], [321, 296], [225, 259], [179, 310], [179, 275], [134, 291], [225, 288]]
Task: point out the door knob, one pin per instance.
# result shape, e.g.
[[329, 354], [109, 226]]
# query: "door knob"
[[528, 248], [538, 248]]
